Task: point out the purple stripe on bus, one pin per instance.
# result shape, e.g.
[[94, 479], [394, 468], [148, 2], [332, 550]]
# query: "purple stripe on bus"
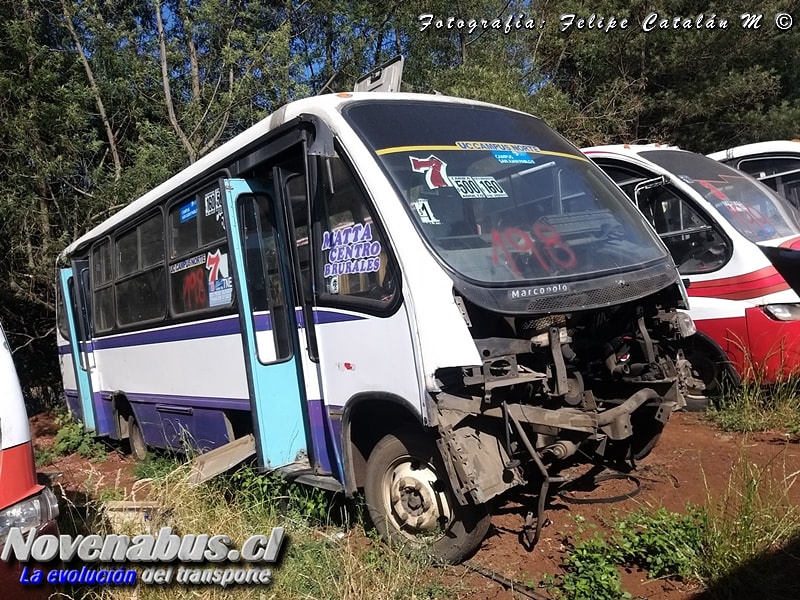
[[205, 329], [194, 401], [190, 331]]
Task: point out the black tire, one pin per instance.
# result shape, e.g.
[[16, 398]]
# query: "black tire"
[[410, 502], [711, 366], [136, 440]]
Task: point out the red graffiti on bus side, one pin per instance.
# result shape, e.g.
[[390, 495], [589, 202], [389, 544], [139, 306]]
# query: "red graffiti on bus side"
[[194, 289]]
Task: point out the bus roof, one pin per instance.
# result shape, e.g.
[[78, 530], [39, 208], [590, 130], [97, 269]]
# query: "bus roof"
[[317, 105], [789, 146]]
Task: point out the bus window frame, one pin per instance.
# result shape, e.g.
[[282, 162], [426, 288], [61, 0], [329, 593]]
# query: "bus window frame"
[[173, 203], [348, 302], [140, 270], [106, 284], [636, 174]]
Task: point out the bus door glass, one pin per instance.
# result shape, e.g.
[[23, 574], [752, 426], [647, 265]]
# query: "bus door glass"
[[269, 326], [80, 344]]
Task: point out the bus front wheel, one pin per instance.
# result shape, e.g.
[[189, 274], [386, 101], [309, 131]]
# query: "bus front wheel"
[[136, 439], [410, 502]]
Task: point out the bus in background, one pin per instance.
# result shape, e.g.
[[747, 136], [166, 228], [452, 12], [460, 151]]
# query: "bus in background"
[[23, 502], [736, 242], [430, 299], [776, 163]]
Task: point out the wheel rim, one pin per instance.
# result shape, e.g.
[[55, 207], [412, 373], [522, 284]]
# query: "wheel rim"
[[415, 497]]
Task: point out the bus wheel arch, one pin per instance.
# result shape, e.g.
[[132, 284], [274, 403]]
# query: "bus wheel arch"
[[365, 420], [128, 426], [711, 364]]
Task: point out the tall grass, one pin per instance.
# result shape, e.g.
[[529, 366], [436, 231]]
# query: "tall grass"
[[764, 401], [755, 518], [327, 554]]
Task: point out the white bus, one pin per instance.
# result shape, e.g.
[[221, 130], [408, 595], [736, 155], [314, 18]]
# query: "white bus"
[[775, 163], [429, 299]]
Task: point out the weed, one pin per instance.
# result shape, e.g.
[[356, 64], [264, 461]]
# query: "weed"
[[768, 397], [156, 466], [756, 406], [755, 515], [664, 543], [71, 438], [307, 503]]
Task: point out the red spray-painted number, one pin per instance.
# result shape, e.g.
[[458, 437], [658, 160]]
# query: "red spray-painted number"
[[194, 289], [556, 251]]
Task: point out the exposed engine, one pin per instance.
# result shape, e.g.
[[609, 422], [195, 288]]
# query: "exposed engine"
[[600, 383]]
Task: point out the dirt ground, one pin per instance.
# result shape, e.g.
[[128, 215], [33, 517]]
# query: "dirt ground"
[[693, 462]]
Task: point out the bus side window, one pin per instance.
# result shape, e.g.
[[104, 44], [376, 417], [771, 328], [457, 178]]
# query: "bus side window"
[[263, 274], [694, 242], [102, 283], [353, 264]]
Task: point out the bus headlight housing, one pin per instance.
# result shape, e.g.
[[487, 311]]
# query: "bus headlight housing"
[[783, 312], [683, 322], [28, 514]]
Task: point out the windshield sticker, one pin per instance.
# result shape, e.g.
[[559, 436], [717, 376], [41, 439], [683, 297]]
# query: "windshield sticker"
[[220, 284], [434, 169], [351, 250], [188, 211], [477, 187], [425, 213], [490, 187], [467, 187], [213, 203], [500, 146], [509, 157], [187, 263]]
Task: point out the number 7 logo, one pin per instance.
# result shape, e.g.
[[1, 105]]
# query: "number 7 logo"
[[435, 171]]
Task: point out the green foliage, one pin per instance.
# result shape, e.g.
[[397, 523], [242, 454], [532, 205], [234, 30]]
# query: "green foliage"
[[663, 543], [755, 515], [312, 505], [71, 438], [756, 405], [156, 466]]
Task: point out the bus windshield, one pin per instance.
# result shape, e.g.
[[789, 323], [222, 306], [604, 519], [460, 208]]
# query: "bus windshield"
[[753, 209], [502, 198]]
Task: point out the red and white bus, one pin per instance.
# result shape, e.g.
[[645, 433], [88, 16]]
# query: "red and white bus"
[[23, 502], [735, 241]]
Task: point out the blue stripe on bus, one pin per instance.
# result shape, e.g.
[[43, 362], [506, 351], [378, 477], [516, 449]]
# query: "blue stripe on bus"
[[205, 329]]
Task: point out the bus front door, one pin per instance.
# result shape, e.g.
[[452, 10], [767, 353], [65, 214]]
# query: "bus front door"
[[82, 357], [261, 279]]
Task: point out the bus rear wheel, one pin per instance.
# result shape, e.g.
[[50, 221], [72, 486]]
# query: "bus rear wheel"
[[136, 439], [410, 503]]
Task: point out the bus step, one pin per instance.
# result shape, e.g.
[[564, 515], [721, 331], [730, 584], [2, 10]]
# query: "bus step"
[[216, 461], [301, 472]]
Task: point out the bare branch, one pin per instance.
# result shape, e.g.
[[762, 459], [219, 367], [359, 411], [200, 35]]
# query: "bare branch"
[[173, 119], [112, 140]]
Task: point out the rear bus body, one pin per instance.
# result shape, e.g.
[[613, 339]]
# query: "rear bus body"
[[733, 239], [428, 298]]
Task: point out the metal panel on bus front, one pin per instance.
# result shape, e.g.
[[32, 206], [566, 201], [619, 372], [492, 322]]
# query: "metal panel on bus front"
[[277, 394], [79, 351]]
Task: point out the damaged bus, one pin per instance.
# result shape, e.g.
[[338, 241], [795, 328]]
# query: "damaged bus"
[[428, 299]]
